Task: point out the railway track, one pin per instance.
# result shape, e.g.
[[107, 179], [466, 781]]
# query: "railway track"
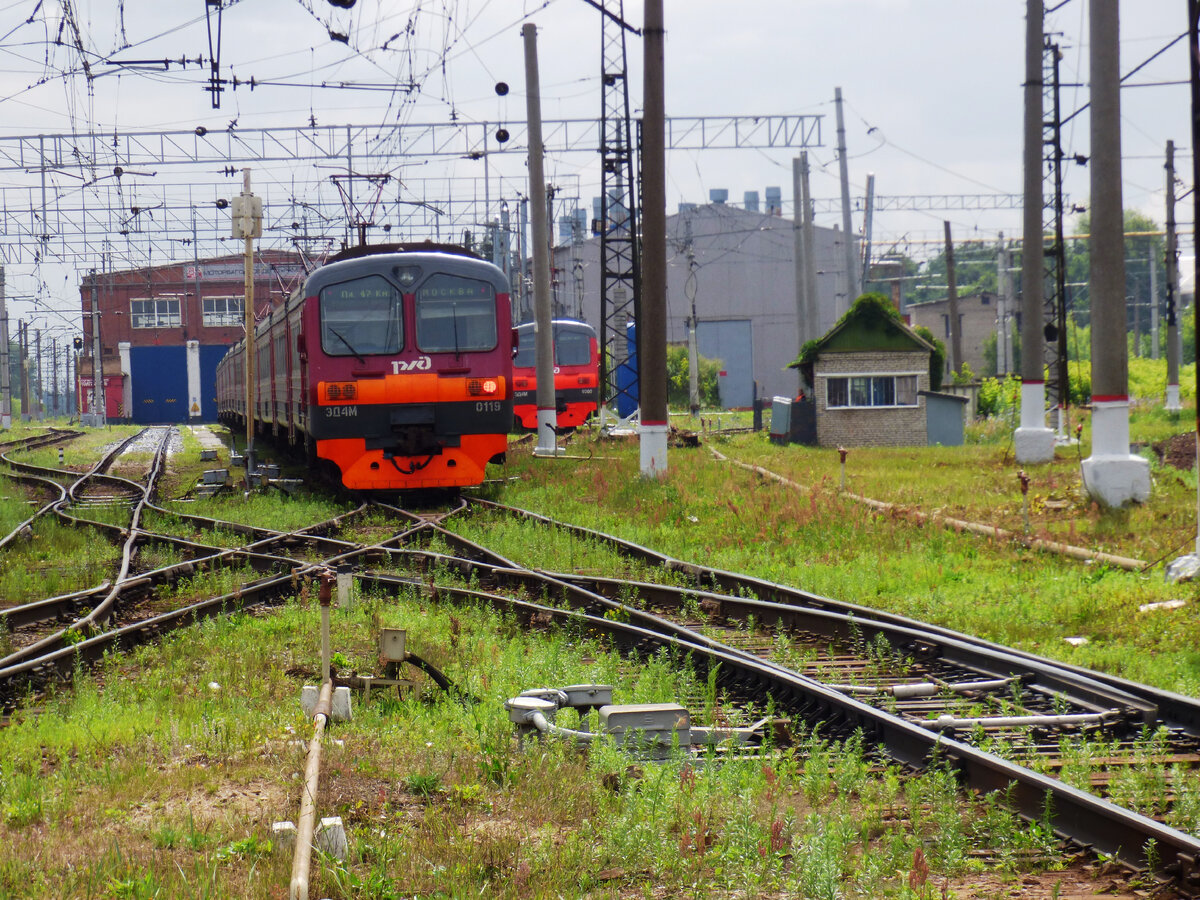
[[1003, 720]]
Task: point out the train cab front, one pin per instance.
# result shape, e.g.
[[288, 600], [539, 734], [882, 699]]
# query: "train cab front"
[[413, 385], [404, 432]]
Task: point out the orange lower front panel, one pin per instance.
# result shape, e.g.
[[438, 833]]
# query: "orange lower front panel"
[[368, 470]]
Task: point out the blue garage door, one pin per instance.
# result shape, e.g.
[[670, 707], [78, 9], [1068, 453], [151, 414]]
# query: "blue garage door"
[[158, 380], [209, 357], [730, 341]]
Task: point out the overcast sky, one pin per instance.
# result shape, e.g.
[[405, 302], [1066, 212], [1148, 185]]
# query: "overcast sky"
[[932, 88]]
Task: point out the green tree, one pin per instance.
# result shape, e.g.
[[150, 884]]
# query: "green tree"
[[678, 378], [1143, 244]]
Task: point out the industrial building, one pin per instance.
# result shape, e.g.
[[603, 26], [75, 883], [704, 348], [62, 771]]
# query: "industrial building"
[[741, 264], [163, 330], [978, 318]]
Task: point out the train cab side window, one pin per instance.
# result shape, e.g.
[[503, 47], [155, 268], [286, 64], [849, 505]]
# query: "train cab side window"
[[361, 317], [455, 315]]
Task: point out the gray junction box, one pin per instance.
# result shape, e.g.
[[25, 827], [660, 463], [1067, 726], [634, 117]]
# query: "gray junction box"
[[647, 724]]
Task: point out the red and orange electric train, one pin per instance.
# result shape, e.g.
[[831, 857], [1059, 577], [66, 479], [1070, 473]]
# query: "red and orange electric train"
[[392, 365], [576, 374]]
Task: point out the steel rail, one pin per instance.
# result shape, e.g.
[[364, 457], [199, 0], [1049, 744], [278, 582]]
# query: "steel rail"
[[1074, 814], [1173, 707], [102, 610], [852, 628]]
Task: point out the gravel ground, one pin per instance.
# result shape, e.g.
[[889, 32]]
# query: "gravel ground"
[[147, 441]]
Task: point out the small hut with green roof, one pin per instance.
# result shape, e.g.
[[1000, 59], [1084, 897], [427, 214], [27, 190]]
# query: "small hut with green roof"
[[870, 375]]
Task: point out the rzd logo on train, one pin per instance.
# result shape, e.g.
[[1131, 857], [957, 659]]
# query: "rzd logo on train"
[[420, 364]]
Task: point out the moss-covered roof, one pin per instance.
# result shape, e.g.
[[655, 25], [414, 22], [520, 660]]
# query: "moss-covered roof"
[[870, 324]]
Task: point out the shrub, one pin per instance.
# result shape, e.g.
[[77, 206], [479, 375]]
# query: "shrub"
[[677, 378]]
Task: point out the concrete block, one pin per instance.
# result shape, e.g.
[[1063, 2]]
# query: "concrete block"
[[339, 708], [309, 694], [207, 455], [330, 838], [283, 836]]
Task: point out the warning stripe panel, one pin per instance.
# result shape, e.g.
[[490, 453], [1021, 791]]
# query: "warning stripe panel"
[[424, 387]]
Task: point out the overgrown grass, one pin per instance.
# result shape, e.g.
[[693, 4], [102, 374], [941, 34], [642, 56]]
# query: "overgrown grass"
[[713, 513], [161, 778]]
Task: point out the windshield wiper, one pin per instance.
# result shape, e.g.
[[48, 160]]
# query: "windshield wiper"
[[349, 346]]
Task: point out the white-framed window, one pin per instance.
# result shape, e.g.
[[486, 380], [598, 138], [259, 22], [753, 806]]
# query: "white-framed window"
[[861, 391], [219, 312], [155, 312]]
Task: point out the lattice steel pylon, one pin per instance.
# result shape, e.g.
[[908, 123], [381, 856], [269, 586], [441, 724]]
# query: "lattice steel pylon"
[[619, 271], [1057, 385]]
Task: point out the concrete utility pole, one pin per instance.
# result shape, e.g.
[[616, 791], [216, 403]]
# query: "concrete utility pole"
[[5, 375], [652, 330], [38, 393], [868, 223], [1153, 263], [246, 223], [847, 226], [1004, 283], [1193, 11], [810, 259], [689, 290], [99, 411], [956, 357], [54, 374], [803, 300], [1033, 442], [1112, 475], [1172, 265], [543, 335]]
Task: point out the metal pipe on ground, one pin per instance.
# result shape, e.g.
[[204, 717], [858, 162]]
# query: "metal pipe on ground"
[[302, 859]]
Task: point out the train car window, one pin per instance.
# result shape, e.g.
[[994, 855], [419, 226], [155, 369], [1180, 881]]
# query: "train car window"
[[361, 317], [572, 348], [455, 315]]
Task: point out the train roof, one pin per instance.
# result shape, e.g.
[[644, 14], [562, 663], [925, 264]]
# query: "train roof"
[[577, 324], [426, 257]]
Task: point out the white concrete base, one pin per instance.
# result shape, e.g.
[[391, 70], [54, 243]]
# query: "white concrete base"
[[653, 450], [1173, 404], [1112, 475], [6, 422], [1115, 481], [1185, 568], [1034, 445], [330, 838], [339, 707], [283, 836], [547, 445]]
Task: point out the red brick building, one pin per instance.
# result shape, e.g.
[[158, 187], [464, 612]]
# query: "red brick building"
[[163, 330]]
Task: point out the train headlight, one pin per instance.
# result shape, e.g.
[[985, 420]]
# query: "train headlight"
[[340, 391], [482, 387]]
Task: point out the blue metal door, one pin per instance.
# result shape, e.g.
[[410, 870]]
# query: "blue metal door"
[[732, 342], [209, 357], [158, 377]]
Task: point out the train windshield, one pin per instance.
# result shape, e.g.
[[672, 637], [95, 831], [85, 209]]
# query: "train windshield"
[[361, 317], [572, 348], [455, 315]]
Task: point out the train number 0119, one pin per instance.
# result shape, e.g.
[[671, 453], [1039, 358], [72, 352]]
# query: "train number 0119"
[[488, 406]]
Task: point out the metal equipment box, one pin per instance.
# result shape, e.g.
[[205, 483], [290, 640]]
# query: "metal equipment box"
[[391, 644], [647, 724]]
